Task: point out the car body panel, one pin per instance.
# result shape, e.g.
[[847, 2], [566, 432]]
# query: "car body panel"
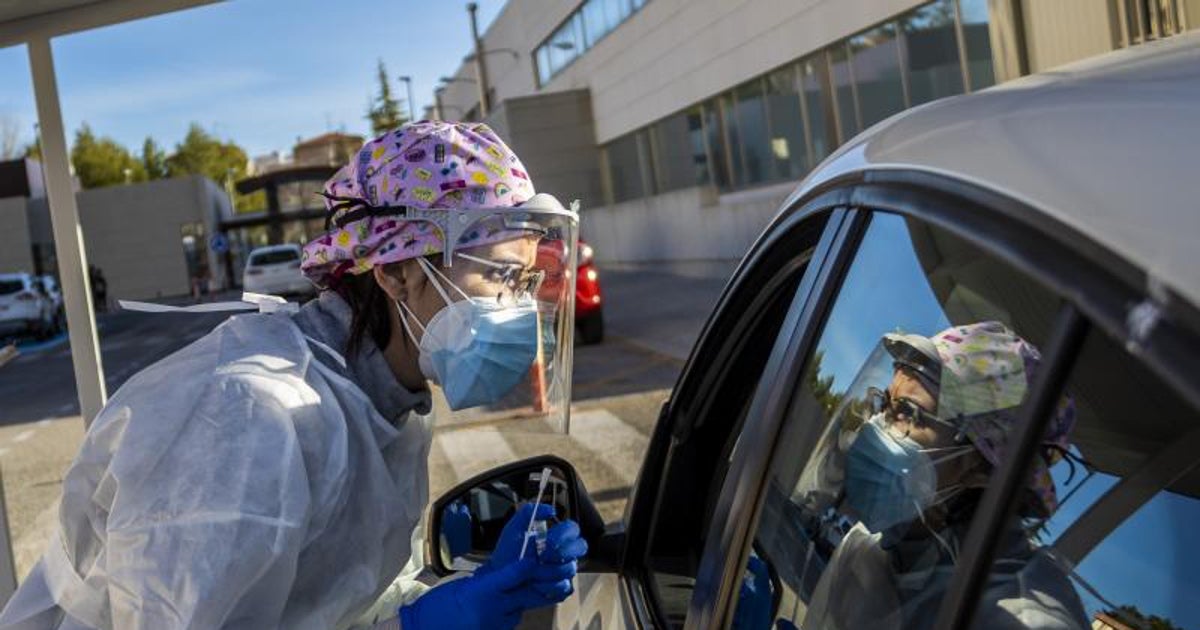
[[24, 315], [1097, 146]]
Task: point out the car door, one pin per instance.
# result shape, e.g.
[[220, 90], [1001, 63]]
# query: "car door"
[[674, 502], [927, 257]]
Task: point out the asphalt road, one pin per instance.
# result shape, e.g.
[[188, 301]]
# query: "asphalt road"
[[652, 318]]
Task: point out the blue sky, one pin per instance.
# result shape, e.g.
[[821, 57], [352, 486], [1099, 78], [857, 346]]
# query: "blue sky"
[[259, 72]]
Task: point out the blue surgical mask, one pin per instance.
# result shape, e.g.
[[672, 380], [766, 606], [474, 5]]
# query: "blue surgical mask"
[[892, 480], [476, 349]]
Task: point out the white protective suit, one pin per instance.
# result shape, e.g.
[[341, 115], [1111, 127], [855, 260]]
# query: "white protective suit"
[[250, 480], [862, 587]]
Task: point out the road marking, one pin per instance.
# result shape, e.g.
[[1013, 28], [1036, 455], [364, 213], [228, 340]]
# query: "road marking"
[[24, 435], [44, 421], [65, 408], [611, 439], [471, 451]]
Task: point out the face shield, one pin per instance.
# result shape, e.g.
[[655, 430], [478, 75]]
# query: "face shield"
[[501, 350], [881, 460]]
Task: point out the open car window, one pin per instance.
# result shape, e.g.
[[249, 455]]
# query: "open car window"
[[709, 411]]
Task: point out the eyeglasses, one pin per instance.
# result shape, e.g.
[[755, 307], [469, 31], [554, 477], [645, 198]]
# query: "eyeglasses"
[[900, 409], [519, 282]]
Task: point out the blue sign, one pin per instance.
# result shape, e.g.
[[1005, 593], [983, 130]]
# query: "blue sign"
[[218, 243]]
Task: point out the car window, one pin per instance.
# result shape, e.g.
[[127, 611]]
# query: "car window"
[[893, 432], [8, 287], [1110, 520], [274, 257], [713, 399]]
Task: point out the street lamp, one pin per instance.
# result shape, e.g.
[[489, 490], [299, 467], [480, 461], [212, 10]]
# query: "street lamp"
[[515, 54], [448, 80], [408, 85]]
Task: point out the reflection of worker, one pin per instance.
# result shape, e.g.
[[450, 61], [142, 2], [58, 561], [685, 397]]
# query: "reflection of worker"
[[272, 474], [913, 475]]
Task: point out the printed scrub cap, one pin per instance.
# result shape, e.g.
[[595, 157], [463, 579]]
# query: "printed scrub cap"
[[985, 370], [423, 166]]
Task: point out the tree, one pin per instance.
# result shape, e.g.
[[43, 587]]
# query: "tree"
[[201, 153], [10, 138], [102, 162], [384, 110], [154, 159], [1136, 618]]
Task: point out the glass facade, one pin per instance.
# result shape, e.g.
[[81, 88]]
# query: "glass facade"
[[932, 61], [788, 143], [583, 29], [778, 126]]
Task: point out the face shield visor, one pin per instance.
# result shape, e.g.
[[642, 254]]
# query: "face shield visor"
[[501, 349], [881, 460]]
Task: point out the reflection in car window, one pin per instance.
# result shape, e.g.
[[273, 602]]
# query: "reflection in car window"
[[1122, 499], [895, 430]]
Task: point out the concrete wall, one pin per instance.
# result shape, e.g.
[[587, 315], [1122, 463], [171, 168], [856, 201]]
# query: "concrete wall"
[[554, 135], [15, 251], [693, 224], [133, 233], [1062, 31]]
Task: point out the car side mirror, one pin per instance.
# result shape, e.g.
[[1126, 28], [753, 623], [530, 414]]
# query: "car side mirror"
[[465, 523]]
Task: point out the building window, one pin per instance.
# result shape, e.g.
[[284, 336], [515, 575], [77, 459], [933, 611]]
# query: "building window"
[[583, 29], [843, 93], [789, 139], [978, 43], [625, 168], [877, 78], [750, 112], [818, 106], [931, 46], [718, 152], [680, 160]]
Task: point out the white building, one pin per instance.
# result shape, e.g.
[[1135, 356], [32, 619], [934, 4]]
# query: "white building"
[[682, 124]]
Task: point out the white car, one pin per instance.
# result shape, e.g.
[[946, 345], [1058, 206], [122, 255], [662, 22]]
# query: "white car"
[[24, 306], [54, 294], [275, 270]]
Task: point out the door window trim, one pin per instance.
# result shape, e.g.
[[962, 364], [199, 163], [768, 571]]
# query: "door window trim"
[[1098, 289]]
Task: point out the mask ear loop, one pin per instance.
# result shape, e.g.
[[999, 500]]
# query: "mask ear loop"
[[431, 271], [405, 313]]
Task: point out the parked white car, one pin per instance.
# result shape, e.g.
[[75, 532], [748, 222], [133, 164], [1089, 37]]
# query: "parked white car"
[[24, 306], [275, 270]]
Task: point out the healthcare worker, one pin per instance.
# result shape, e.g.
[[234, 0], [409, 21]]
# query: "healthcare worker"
[[908, 460], [273, 473]]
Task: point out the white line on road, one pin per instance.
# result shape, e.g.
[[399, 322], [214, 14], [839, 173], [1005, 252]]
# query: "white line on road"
[[613, 440], [24, 435], [65, 408], [44, 421], [471, 451]]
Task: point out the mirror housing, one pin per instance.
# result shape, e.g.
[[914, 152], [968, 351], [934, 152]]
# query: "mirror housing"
[[461, 538]]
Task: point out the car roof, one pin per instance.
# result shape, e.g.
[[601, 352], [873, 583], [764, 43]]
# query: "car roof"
[[1106, 146], [275, 248]]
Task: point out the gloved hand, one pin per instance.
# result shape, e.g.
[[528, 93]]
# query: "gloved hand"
[[564, 548], [494, 600], [508, 547], [754, 602], [456, 525]]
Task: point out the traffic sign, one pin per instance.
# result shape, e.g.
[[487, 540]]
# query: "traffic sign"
[[219, 243]]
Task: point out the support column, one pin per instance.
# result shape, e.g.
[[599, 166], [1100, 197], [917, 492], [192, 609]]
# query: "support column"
[[68, 235]]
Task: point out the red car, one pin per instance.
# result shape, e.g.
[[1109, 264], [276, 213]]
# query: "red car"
[[589, 312]]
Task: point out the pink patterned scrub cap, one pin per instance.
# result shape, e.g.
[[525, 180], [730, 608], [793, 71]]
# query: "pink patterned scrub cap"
[[415, 170], [985, 372]]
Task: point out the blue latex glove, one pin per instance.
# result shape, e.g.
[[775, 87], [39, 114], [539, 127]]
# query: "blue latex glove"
[[564, 548], [508, 547], [494, 600], [754, 602], [456, 525]]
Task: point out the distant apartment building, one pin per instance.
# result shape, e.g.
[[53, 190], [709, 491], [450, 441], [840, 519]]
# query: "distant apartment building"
[[683, 124], [332, 149]]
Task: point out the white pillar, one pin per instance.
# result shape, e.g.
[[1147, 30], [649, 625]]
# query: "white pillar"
[[68, 236]]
